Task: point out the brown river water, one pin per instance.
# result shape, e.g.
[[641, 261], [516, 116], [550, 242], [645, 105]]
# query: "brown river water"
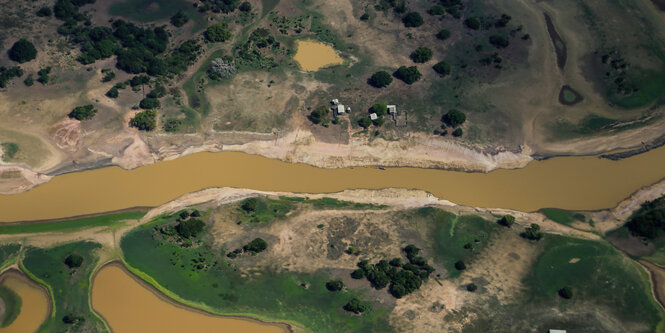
[[576, 183], [129, 307], [34, 307]]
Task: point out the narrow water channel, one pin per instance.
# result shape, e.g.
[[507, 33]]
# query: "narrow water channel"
[[577, 183], [129, 307]]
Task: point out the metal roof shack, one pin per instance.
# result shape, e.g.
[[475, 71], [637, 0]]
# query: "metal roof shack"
[[341, 109], [392, 109], [373, 116]]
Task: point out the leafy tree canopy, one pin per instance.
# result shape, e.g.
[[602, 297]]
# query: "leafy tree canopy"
[[73, 260], [145, 120], [179, 19], [408, 74], [22, 51], [442, 67], [454, 118], [85, 112], [217, 32], [380, 79], [421, 55], [412, 20]]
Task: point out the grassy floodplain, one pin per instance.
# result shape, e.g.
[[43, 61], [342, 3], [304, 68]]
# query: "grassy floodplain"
[[110, 221]]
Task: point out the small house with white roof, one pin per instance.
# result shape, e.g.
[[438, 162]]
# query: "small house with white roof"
[[392, 109]]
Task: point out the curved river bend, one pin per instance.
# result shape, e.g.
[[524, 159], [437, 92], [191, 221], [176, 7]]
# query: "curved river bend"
[[576, 183]]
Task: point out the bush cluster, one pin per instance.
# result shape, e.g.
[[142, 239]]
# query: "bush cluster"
[[179, 19], [408, 74], [85, 112], [421, 55], [145, 120], [189, 228], [7, 74], [532, 232]]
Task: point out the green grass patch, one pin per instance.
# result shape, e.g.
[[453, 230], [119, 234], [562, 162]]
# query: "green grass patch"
[[268, 6], [112, 220], [7, 253], [218, 285], [598, 274], [650, 85], [9, 150], [69, 287], [12, 303], [562, 216], [450, 234]]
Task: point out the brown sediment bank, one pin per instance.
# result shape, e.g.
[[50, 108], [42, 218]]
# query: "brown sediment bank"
[[128, 304], [657, 275], [36, 304], [574, 183]]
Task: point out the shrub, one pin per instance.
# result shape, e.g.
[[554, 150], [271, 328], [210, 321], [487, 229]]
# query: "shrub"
[[255, 246], [149, 103], [85, 112], [421, 55], [73, 260], [566, 292], [334, 285], [364, 17], [397, 262], [358, 274], [44, 12], [7, 74], [139, 80], [190, 228], [183, 215], [195, 213], [318, 115], [9, 150], [108, 76], [443, 34], [221, 68], [364, 122], [408, 74], [145, 120], [412, 20], [380, 79], [503, 21], [217, 32], [22, 51], [250, 205], [354, 305], [458, 132], [471, 287], [437, 10], [507, 221], [499, 41], [442, 67], [112, 93], [172, 125], [532, 232], [43, 73], [378, 122], [454, 118], [460, 265], [472, 23], [179, 19], [158, 92], [29, 81], [245, 7], [379, 109], [72, 319]]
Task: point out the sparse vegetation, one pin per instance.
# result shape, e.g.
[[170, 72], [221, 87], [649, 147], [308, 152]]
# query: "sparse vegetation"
[[9, 150], [172, 125]]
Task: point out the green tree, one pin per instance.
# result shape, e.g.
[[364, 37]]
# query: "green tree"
[[145, 120], [458, 132], [29, 81], [443, 34], [43, 73], [354, 305], [245, 7], [22, 51], [437, 10], [532, 232], [460, 265], [442, 67], [217, 32], [454, 118], [334, 285], [112, 93], [172, 125], [149, 103], [380, 79], [472, 23], [412, 20], [319, 114], [73, 260], [379, 108], [358, 274], [44, 12], [190, 228], [255, 246], [471, 287], [421, 55], [566, 292], [364, 17], [364, 122], [507, 220], [179, 19], [85, 112], [499, 41], [408, 74], [250, 205]]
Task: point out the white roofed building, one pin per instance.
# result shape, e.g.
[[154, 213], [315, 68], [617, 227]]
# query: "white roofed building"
[[392, 109], [373, 116], [341, 109]]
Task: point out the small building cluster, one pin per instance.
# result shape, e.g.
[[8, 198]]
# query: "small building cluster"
[[339, 108]]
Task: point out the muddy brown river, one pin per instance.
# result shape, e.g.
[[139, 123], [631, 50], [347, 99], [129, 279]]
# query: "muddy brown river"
[[129, 307], [577, 183]]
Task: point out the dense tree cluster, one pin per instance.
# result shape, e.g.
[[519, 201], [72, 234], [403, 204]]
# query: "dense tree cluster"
[[398, 6], [380, 79], [616, 73], [453, 7], [85, 112], [254, 52], [649, 220], [145, 120], [73, 260], [245, 7], [421, 55], [22, 51], [403, 278], [219, 6], [189, 228], [8, 73], [408, 74], [532, 232]]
